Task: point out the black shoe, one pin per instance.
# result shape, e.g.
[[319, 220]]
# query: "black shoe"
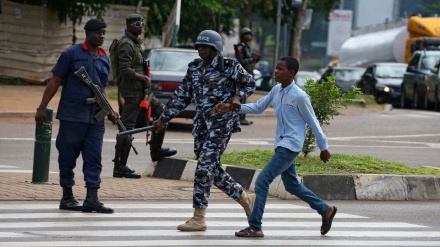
[[96, 206], [163, 152], [125, 171], [92, 204], [70, 204], [245, 122]]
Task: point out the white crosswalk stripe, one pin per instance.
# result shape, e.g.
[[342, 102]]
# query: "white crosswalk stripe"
[[144, 224]]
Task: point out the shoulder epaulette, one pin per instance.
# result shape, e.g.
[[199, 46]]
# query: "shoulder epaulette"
[[195, 62], [229, 62]]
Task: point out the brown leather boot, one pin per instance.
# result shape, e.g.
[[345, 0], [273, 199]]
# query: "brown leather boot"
[[196, 223], [247, 202]]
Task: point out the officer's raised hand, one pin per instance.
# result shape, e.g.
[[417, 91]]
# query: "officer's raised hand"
[[222, 108], [114, 117], [159, 125]]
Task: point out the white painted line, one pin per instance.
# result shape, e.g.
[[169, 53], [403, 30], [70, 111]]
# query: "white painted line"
[[223, 242], [9, 167], [211, 224], [183, 206], [19, 171], [381, 137], [272, 233], [166, 215]]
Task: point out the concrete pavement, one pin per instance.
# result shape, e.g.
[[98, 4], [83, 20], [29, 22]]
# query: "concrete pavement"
[[172, 178]]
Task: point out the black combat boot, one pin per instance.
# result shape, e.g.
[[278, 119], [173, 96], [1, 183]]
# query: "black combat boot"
[[122, 150], [157, 152], [68, 201], [92, 204]]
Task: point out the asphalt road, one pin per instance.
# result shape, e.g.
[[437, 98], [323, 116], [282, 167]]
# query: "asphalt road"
[[407, 136], [285, 223]]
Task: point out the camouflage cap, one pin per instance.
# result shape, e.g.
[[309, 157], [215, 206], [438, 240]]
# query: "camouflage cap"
[[134, 17]]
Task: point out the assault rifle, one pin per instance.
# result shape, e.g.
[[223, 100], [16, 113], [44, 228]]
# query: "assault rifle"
[[101, 100]]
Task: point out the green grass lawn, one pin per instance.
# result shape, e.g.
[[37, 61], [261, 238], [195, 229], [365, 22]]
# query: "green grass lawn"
[[338, 164]]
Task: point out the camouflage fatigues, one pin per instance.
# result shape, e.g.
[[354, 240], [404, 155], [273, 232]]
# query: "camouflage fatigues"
[[243, 52], [131, 61], [209, 86]]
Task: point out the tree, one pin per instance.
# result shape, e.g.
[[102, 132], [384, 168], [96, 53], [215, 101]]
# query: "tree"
[[429, 9], [322, 6], [326, 100], [196, 16]]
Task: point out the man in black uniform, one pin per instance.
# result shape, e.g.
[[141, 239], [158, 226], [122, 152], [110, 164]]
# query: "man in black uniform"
[[132, 83], [247, 58]]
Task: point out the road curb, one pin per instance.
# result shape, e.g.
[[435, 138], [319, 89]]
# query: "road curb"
[[379, 187]]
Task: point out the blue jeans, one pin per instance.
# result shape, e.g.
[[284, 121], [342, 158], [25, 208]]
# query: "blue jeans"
[[283, 162]]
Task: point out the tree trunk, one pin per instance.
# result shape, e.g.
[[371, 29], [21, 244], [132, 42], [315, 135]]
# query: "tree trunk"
[[244, 16], [296, 31]]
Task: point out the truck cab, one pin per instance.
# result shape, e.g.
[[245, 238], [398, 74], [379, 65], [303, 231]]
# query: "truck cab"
[[423, 34]]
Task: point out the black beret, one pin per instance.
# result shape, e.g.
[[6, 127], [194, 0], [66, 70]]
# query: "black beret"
[[94, 24], [134, 17]]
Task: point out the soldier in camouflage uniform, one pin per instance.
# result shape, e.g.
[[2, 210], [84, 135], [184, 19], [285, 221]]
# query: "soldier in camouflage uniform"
[[211, 79], [247, 58], [132, 83]]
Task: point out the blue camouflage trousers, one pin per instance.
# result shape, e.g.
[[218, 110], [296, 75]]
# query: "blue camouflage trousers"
[[209, 145]]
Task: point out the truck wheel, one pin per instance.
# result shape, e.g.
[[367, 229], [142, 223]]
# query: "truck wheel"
[[404, 103]]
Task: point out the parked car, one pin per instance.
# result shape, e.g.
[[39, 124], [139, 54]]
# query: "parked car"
[[264, 67], [168, 66], [302, 76], [382, 80], [416, 91], [345, 77], [433, 95]]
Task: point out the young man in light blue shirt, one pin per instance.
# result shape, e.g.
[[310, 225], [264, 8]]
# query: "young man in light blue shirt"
[[294, 112]]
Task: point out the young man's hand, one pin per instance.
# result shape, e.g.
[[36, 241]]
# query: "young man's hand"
[[325, 156]]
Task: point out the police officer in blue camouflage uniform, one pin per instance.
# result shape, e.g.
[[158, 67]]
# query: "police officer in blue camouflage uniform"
[[211, 79]]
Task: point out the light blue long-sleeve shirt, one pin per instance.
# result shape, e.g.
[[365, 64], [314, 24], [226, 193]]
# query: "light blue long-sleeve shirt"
[[294, 112]]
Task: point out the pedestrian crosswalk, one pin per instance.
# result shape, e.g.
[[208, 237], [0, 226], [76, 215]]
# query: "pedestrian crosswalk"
[[154, 224]]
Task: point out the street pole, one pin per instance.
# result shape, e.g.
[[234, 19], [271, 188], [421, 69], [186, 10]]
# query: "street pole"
[[277, 40], [43, 138]]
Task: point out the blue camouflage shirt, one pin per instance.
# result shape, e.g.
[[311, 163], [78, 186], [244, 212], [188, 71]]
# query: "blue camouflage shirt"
[[208, 87]]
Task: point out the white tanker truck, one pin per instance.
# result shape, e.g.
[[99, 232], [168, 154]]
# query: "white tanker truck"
[[390, 42]]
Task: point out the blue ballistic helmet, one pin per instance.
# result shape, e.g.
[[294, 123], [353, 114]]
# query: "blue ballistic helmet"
[[211, 38]]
